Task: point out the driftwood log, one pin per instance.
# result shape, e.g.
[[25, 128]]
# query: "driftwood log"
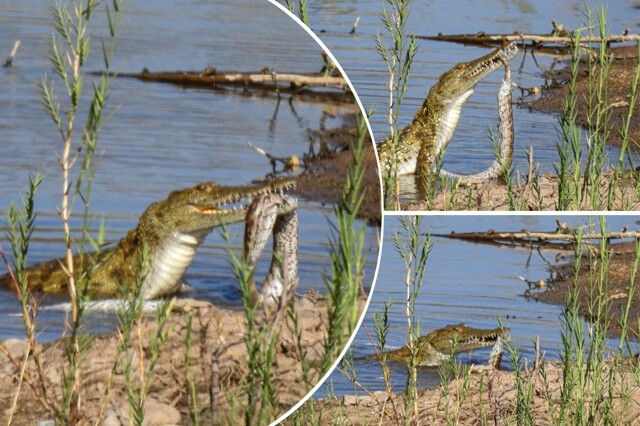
[[482, 38], [561, 239], [263, 80]]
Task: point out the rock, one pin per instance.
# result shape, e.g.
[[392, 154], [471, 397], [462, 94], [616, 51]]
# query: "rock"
[[350, 400], [16, 347], [111, 419], [157, 414], [132, 355], [188, 305]]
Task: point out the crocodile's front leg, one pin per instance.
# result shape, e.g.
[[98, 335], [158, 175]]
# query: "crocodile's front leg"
[[273, 214]]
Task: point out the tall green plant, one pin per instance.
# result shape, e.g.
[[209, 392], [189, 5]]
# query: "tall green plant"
[[344, 282], [625, 136], [398, 56], [21, 227], [582, 182], [347, 256], [261, 339], [302, 10], [414, 251], [590, 380], [68, 54]]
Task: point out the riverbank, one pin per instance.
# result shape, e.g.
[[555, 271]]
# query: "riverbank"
[[616, 291], [219, 382], [486, 396]]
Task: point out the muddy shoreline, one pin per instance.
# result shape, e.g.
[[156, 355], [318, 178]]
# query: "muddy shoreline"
[[541, 196], [324, 179], [616, 291], [623, 67], [325, 174]]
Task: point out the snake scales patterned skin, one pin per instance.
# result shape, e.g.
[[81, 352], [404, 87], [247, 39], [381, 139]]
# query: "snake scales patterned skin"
[[505, 136]]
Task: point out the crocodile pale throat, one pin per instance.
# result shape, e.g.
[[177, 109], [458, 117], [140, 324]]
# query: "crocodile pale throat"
[[432, 127], [171, 230], [436, 347]]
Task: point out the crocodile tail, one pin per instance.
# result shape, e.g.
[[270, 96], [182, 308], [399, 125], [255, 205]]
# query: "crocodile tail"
[[45, 277]]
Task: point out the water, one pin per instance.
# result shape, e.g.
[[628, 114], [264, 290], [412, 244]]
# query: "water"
[[464, 282], [163, 137], [470, 149]]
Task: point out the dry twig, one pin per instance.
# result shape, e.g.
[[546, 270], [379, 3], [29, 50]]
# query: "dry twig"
[[12, 55]]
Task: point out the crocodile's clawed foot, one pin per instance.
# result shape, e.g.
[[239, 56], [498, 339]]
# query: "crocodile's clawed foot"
[[274, 214]]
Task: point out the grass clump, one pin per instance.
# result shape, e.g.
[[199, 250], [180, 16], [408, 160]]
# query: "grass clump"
[[303, 13], [344, 283]]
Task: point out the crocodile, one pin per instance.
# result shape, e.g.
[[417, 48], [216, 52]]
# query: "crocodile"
[[426, 137], [436, 347], [169, 232]]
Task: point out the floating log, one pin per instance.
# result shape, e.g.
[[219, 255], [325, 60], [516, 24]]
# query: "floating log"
[[265, 79], [558, 240], [527, 237], [482, 38]]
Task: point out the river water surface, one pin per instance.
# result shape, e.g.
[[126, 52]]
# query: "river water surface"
[[163, 137]]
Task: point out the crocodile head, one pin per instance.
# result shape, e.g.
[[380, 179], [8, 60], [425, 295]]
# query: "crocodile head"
[[463, 338], [463, 77], [454, 87], [197, 210], [169, 231]]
